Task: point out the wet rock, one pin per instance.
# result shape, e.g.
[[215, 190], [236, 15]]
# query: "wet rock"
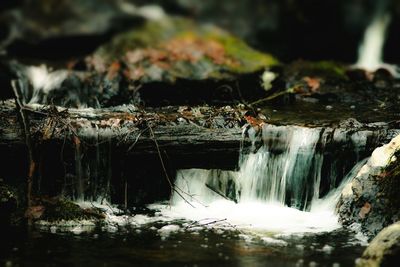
[[330, 83], [371, 198], [382, 79], [56, 209], [384, 250]]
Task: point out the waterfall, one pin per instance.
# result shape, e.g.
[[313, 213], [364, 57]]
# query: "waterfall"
[[269, 176], [370, 52], [276, 188], [43, 81]]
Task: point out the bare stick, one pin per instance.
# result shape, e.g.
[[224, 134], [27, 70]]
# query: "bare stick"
[[28, 141], [219, 193], [164, 168], [126, 195]]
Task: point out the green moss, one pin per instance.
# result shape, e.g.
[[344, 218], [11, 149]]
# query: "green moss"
[[237, 56], [330, 68], [152, 32], [250, 59], [326, 69]]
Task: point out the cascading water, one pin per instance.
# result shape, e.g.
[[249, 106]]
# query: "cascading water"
[[276, 188]]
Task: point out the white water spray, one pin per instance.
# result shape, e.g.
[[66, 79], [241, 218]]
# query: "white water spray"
[[276, 188]]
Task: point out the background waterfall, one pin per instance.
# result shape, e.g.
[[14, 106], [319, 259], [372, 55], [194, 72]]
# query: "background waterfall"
[[370, 53]]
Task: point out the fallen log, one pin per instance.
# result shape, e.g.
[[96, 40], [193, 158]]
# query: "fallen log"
[[85, 151], [198, 132], [179, 131]]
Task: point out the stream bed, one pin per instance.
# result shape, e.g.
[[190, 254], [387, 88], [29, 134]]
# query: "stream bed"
[[206, 246]]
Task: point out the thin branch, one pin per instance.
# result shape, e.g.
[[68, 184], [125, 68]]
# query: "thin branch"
[[164, 168], [25, 126], [219, 193]]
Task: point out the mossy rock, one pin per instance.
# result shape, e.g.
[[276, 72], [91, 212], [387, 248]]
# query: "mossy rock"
[[384, 250], [67, 210], [177, 48], [329, 70]]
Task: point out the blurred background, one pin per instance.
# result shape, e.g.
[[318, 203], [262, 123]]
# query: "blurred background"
[[288, 29]]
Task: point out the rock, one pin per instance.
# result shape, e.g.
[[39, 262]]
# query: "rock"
[[371, 198], [57, 209], [167, 61], [58, 25], [177, 48], [329, 82], [384, 249]]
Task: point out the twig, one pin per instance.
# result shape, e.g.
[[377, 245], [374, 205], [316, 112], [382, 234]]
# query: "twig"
[[136, 140], [164, 168], [219, 193], [197, 223], [288, 91], [28, 141]]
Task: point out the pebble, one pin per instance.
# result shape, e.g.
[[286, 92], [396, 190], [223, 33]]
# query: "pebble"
[[327, 249], [53, 229], [300, 263], [328, 107]]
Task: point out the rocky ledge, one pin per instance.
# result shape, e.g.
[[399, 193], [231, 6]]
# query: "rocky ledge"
[[371, 199]]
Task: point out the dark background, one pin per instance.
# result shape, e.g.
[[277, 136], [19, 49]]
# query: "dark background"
[[289, 29]]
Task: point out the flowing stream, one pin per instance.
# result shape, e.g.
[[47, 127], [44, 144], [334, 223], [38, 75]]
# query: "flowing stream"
[[276, 209], [276, 189]]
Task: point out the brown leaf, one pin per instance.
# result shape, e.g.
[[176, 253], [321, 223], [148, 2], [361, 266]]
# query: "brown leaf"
[[313, 83], [365, 210]]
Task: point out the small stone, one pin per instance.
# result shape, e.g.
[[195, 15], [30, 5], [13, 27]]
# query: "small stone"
[[300, 263], [328, 107], [327, 249]]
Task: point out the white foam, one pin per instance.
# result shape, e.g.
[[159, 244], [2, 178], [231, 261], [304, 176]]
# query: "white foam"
[[167, 230], [274, 242], [257, 217]]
